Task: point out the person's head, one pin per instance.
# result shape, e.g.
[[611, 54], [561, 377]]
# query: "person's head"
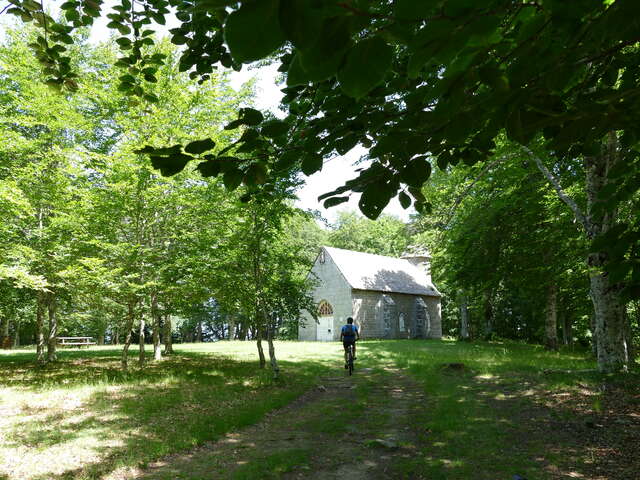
[[349, 320]]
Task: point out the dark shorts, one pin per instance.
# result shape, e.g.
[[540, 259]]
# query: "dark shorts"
[[347, 342]]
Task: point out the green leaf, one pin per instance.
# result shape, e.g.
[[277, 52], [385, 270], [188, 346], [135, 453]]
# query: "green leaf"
[[232, 178], [251, 116], [366, 66], [416, 172], [311, 163], [323, 60], [373, 200], [253, 31], [256, 174], [274, 128], [210, 168], [405, 200], [333, 201], [159, 151], [200, 146], [233, 125], [170, 165], [412, 9], [301, 21]]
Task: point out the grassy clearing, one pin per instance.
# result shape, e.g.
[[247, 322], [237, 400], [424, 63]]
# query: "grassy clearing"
[[83, 418], [502, 413], [496, 416]]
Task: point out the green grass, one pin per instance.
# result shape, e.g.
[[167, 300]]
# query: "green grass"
[[83, 418], [273, 466], [475, 420]]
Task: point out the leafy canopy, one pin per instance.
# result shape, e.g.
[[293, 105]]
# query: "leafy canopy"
[[401, 77]]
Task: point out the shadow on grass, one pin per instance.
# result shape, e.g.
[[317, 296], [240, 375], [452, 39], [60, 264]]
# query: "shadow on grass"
[[141, 415], [493, 412]]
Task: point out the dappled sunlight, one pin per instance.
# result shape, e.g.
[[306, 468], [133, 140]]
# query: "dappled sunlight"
[[84, 414]]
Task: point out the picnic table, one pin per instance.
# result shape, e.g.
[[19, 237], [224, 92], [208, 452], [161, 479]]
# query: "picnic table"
[[75, 341]]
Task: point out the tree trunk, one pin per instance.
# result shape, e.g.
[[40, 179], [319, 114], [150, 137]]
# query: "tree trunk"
[[232, 327], [551, 318], [16, 335], [464, 317], [488, 315], [567, 329], [594, 342], [263, 361], [609, 308], [128, 331], [101, 339], [168, 335], [5, 339], [141, 342], [155, 315], [52, 342], [40, 309], [114, 336], [199, 331], [610, 343], [272, 354]]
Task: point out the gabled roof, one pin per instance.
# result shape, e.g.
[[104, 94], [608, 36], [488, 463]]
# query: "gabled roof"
[[365, 271]]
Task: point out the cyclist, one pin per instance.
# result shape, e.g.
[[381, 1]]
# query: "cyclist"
[[348, 335]]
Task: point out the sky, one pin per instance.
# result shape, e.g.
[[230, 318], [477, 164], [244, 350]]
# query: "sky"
[[335, 172]]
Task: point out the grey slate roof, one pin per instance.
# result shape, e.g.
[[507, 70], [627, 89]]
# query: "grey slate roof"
[[365, 271]]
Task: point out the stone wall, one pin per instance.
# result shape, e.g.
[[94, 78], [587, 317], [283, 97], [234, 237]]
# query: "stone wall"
[[368, 313], [334, 289]]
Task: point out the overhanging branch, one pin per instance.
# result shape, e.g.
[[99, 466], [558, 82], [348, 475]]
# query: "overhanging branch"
[[559, 190]]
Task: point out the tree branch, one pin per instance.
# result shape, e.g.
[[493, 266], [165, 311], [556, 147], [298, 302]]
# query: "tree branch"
[[559, 190], [461, 197]]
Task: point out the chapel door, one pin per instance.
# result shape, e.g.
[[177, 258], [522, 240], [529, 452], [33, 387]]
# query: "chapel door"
[[325, 329], [324, 333]]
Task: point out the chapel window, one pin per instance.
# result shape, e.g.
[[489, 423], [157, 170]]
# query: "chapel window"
[[325, 308]]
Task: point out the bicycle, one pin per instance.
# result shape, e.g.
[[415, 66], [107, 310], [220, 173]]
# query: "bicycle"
[[350, 359]]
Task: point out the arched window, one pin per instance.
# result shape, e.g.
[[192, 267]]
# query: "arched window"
[[420, 319], [388, 314], [325, 308]]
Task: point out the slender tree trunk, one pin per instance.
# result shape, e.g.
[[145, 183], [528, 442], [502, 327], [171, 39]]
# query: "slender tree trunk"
[[16, 335], [128, 331], [594, 341], [232, 327], [488, 315], [5, 339], [52, 342], [464, 317], [141, 342], [263, 361], [551, 318], [199, 331], [567, 329], [114, 336], [101, 338], [272, 353], [40, 309], [155, 315], [168, 335]]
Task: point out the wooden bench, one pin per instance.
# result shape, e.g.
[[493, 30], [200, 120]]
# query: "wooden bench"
[[75, 341]]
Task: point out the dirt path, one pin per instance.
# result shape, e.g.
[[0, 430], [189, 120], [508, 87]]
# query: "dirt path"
[[356, 427]]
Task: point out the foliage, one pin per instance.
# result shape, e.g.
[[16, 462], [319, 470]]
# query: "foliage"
[[385, 236]]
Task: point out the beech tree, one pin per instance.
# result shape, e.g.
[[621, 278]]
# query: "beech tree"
[[410, 81]]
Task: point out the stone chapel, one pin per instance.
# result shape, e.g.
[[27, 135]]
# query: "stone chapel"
[[387, 297]]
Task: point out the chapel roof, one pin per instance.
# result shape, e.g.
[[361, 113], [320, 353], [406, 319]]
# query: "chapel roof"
[[366, 271]]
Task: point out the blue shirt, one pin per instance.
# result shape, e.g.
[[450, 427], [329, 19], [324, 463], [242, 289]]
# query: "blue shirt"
[[349, 331]]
